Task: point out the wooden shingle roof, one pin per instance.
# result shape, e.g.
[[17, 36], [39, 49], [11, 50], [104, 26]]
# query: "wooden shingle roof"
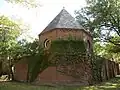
[[63, 20]]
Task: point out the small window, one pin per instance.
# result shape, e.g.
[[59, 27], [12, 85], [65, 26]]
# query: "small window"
[[46, 43], [88, 45]]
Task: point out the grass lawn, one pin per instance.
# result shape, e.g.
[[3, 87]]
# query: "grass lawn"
[[113, 84]]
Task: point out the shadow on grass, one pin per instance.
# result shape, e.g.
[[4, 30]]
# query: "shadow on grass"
[[113, 84]]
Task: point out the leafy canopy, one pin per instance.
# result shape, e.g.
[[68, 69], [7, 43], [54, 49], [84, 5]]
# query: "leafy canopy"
[[102, 17], [9, 32]]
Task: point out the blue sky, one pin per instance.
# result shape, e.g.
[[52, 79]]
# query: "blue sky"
[[1, 3], [40, 17]]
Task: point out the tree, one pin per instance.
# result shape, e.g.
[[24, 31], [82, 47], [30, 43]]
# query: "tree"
[[10, 48], [102, 18], [108, 51], [25, 48], [9, 32]]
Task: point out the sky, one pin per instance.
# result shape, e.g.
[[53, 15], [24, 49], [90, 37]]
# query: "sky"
[[38, 18]]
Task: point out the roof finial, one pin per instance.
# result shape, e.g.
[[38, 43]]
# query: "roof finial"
[[63, 7]]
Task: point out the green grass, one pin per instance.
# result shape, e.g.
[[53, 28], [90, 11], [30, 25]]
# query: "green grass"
[[113, 84]]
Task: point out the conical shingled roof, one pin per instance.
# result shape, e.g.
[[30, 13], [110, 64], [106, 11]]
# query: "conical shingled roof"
[[63, 20]]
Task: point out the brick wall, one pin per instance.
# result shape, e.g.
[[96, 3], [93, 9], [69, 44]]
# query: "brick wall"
[[20, 73], [53, 75], [109, 70], [64, 33]]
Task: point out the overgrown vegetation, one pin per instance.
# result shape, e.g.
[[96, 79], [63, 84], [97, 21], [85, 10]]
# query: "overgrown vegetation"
[[67, 51], [73, 52], [97, 64], [101, 18], [11, 49], [37, 59], [36, 65], [57, 55], [64, 53], [9, 32]]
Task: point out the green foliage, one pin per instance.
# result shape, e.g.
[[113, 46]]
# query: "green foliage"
[[67, 51], [98, 48], [68, 46], [72, 51], [97, 68], [25, 48], [101, 13], [8, 28], [9, 32], [102, 18], [37, 60], [30, 48], [36, 65], [108, 51], [113, 84], [114, 49]]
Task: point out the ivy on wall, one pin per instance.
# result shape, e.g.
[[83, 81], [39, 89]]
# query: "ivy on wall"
[[61, 52], [67, 51], [66, 55], [68, 46], [36, 65], [97, 68]]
